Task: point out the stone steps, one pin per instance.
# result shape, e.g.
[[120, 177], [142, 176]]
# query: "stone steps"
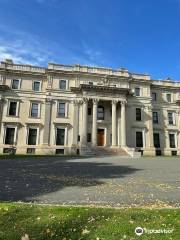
[[104, 151]]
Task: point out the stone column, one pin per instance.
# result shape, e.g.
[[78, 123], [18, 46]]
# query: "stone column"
[[47, 121], [84, 122], [75, 122], [114, 127], [123, 124], [94, 123]]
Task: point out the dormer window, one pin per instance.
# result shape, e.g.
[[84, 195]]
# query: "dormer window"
[[62, 84], [137, 92], [36, 86], [154, 96], [15, 84], [168, 97]]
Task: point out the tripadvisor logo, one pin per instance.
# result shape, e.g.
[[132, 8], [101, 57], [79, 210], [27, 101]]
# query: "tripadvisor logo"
[[139, 231]]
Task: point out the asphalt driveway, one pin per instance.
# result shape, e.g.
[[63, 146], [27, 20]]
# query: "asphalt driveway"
[[107, 181]]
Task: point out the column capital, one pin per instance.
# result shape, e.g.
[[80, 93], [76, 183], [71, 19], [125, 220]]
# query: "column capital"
[[95, 100], [85, 100], [124, 102], [114, 101], [76, 102]]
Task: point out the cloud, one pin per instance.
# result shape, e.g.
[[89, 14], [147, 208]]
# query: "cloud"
[[27, 48], [23, 47]]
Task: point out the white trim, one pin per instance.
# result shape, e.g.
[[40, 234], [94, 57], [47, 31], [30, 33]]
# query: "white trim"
[[175, 139], [19, 84], [67, 84], [15, 134], [39, 109], [39, 85], [65, 135], [17, 107], [37, 136]]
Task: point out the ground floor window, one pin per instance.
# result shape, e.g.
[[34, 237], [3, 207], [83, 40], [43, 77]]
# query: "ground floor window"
[[139, 139], [60, 136], [9, 136], [156, 140], [32, 136], [172, 140]]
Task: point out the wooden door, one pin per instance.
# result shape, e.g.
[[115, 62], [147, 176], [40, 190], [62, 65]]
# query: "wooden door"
[[100, 137]]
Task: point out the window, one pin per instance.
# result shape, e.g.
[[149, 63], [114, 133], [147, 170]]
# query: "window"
[[31, 150], [100, 113], [138, 114], [61, 110], [154, 96], [60, 151], [9, 138], [155, 117], [137, 91], [60, 136], [32, 136], [89, 111], [172, 140], [168, 97], [34, 109], [15, 84], [12, 108], [90, 83], [78, 138], [36, 86], [156, 140], [62, 84], [89, 137], [170, 118], [139, 139]]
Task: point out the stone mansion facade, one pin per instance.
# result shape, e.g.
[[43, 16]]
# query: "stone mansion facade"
[[73, 109]]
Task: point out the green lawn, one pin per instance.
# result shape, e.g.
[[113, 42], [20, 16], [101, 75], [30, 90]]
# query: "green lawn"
[[65, 223]]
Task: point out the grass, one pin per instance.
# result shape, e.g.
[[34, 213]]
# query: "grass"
[[64, 223]]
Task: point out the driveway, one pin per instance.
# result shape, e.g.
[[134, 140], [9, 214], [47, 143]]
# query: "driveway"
[[107, 181]]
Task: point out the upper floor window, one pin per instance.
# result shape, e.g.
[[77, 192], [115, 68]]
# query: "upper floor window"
[[138, 114], [137, 91], [62, 84], [36, 86], [155, 117], [12, 108], [15, 84], [154, 96], [172, 140], [90, 83], [32, 136], [171, 118], [168, 97], [35, 110], [61, 109], [100, 113]]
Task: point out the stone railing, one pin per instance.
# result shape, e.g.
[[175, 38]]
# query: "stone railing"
[[87, 69], [21, 67]]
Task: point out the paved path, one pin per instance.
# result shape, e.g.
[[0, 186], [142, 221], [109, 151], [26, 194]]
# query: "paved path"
[[109, 181]]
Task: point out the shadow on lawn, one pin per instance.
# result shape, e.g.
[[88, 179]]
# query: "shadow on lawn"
[[21, 179]]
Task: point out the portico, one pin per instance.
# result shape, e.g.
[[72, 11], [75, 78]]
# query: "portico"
[[107, 127]]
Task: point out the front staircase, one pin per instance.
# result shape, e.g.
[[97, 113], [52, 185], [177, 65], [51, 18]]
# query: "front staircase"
[[103, 151]]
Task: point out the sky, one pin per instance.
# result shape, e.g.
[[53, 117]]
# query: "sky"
[[142, 36]]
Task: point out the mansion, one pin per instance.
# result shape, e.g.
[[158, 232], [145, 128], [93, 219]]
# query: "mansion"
[[74, 109]]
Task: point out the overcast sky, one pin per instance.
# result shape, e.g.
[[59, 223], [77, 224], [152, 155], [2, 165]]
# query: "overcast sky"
[[140, 35]]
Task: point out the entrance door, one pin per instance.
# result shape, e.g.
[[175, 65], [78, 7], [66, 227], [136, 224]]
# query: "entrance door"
[[100, 137]]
